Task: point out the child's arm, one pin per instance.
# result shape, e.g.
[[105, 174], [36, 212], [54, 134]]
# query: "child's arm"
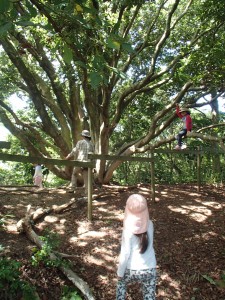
[[124, 254], [178, 111]]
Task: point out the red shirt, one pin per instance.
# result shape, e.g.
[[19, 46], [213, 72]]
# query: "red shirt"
[[186, 119]]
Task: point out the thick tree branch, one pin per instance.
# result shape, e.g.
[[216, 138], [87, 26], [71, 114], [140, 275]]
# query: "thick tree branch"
[[210, 127]]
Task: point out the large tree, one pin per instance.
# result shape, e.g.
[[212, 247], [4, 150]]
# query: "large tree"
[[88, 63]]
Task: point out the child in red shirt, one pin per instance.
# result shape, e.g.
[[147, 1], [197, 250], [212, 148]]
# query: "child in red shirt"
[[183, 114]]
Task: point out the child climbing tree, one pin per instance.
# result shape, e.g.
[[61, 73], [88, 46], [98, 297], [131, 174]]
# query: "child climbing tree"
[[183, 114]]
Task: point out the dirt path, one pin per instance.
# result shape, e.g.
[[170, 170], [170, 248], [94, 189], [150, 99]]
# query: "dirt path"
[[189, 239]]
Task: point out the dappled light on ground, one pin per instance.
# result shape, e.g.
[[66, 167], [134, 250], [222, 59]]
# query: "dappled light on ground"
[[169, 284], [189, 239], [197, 213]]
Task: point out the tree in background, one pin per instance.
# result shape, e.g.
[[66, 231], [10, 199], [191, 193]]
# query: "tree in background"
[[89, 64]]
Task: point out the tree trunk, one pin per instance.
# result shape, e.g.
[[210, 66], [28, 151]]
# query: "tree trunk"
[[216, 166]]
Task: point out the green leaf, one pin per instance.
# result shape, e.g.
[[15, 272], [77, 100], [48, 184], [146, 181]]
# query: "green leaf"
[[210, 280], [4, 6], [127, 47], [112, 43], [98, 62], [119, 73], [32, 9], [25, 23], [95, 79], [5, 28], [67, 54], [81, 64]]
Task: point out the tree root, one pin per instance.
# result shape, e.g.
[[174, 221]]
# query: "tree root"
[[24, 225], [40, 212]]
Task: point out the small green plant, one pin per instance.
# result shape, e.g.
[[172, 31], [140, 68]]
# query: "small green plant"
[[209, 279], [42, 255], [51, 244], [11, 286], [70, 294], [219, 283]]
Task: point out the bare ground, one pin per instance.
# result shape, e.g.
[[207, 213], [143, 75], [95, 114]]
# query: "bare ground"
[[189, 239]]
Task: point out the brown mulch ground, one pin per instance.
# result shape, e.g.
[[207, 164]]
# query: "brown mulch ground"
[[189, 239]]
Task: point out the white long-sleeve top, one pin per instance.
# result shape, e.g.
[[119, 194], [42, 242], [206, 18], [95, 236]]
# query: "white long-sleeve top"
[[130, 257], [38, 171]]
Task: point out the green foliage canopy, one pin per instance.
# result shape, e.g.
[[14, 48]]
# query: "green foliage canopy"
[[115, 67]]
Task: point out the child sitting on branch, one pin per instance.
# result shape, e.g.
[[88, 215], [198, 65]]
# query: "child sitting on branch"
[[184, 114]]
